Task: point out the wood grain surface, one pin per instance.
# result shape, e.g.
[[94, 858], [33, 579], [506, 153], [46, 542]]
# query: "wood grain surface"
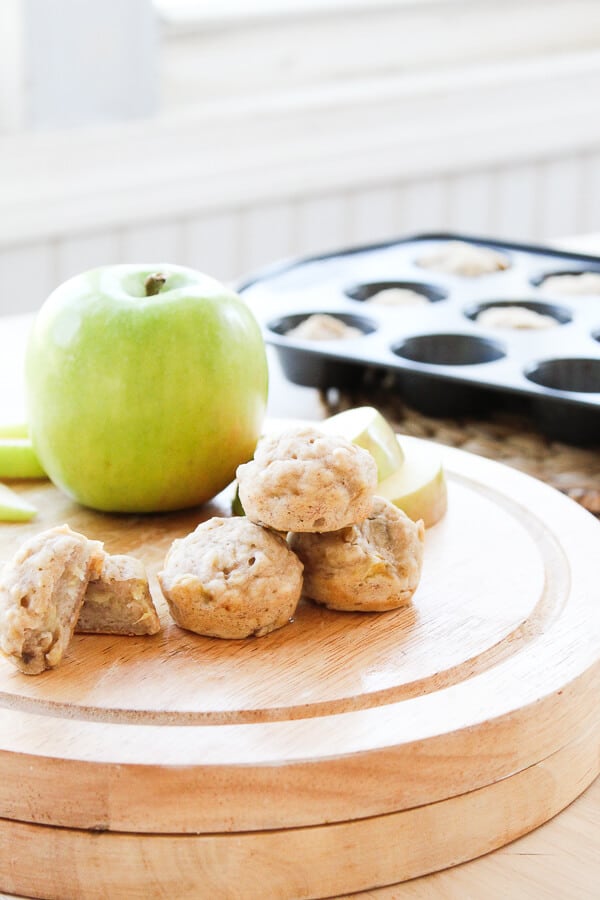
[[296, 863], [484, 692]]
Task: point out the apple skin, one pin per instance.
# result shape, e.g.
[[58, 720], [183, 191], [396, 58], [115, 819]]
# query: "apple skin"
[[18, 459], [14, 507], [144, 403]]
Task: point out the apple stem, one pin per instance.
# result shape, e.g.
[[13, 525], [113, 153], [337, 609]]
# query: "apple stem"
[[154, 283]]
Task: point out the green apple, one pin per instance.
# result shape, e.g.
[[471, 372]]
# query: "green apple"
[[146, 387], [367, 428], [419, 485], [18, 459], [13, 508]]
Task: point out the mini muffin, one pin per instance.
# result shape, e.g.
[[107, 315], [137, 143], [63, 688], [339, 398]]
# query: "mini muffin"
[[461, 258], [119, 602], [397, 296], [41, 593], [372, 566], [305, 480], [231, 579], [571, 283], [518, 317], [323, 327]]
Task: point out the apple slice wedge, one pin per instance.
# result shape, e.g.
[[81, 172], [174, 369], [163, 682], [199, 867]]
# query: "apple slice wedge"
[[18, 459], [236, 504], [13, 508], [367, 428], [419, 486], [16, 429]]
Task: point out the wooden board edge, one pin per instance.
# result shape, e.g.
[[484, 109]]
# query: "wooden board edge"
[[323, 861]]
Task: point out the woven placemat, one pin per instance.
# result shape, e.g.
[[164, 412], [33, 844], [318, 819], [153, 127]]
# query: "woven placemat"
[[505, 437]]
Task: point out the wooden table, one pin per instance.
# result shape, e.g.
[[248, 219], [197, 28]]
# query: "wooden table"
[[559, 860]]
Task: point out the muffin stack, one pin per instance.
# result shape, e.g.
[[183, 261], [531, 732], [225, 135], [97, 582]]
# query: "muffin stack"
[[313, 525]]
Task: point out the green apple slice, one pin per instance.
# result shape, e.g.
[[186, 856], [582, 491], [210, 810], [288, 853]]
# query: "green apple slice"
[[236, 504], [419, 485], [367, 428], [18, 459], [13, 508], [14, 430]]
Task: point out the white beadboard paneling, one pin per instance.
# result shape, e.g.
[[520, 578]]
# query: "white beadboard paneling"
[[154, 243], [516, 190], [373, 215], [77, 254], [322, 223], [345, 137], [470, 203], [559, 199], [532, 200], [267, 233], [212, 245], [28, 275], [424, 205]]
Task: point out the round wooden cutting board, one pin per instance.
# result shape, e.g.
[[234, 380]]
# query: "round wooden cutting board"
[[342, 752]]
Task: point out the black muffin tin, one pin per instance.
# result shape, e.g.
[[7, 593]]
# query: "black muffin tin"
[[443, 361]]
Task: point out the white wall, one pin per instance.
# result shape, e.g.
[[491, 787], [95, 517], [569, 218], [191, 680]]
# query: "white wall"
[[502, 139], [533, 201]]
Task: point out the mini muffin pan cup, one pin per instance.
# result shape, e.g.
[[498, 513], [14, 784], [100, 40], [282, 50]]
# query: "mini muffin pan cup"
[[444, 362]]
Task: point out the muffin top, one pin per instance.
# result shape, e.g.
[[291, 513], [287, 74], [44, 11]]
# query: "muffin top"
[[231, 578], [462, 258], [307, 481], [371, 566]]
